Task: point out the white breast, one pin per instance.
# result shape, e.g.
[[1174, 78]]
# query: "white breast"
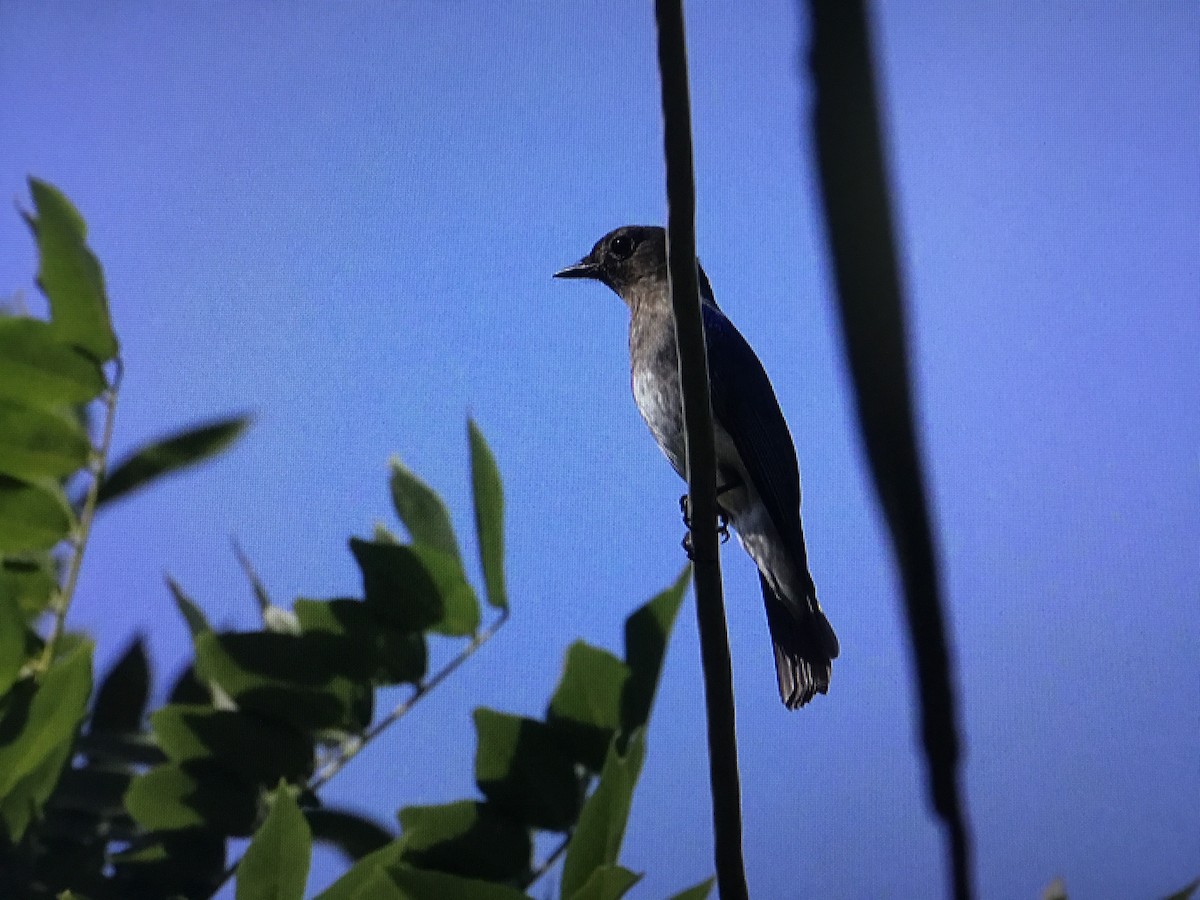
[[660, 404]]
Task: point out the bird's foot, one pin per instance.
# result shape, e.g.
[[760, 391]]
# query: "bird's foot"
[[722, 519], [722, 525]]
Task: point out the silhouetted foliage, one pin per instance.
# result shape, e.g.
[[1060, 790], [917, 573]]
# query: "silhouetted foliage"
[[112, 800]]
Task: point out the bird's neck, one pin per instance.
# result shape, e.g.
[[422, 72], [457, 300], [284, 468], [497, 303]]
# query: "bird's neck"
[[651, 326]]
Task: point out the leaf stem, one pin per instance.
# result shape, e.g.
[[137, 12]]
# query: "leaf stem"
[[97, 466], [339, 762]]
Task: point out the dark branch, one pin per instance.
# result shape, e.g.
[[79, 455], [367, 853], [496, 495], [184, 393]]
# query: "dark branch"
[[859, 222], [701, 452]]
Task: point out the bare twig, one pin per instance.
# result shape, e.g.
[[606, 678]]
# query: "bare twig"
[[701, 451]]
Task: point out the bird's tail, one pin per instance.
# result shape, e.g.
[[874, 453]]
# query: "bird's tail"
[[805, 647]]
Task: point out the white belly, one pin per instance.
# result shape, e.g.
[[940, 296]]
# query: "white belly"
[[661, 406]]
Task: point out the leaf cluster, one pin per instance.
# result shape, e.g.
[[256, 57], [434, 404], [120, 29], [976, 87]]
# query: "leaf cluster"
[[572, 773], [61, 783], [112, 800], [295, 698]]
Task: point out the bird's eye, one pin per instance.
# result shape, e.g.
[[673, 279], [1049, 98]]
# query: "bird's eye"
[[621, 246]]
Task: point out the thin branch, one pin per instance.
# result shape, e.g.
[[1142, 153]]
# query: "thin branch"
[[859, 221], [336, 765], [548, 863], [339, 762], [701, 451], [97, 466]]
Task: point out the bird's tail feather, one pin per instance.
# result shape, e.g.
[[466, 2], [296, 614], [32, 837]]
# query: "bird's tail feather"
[[805, 647]]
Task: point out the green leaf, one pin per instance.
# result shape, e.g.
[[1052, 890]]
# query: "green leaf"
[[12, 643], [354, 835], [286, 677], [590, 689], [461, 607], [368, 648], [120, 750], [37, 367], [415, 588], [363, 873], [597, 838], [466, 838], [647, 631], [696, 891], [38, 724], [607, 883], [377, 885], [489, 517], [188, 688], [98, 792], [29, 581], [398, 588], [196, 622], [187, 862], [192, 794], [69, 274], [1186, 892], [586, 707], [426, 518], [259, 751], [380, 534], [522, 766], [38, 443], [276, 863], [121, 698], [422, 511], [185, 448], [417, 884], [36, 720], [32, 517], [23, 802]]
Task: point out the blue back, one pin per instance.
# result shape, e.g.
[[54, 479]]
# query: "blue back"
[[744, 403]]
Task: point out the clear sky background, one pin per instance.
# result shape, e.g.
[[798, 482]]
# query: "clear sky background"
[[343, 218]]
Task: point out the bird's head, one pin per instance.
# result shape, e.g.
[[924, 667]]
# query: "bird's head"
[[629, 258]]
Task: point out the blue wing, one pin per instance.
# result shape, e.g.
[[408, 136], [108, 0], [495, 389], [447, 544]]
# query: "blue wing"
[[744, 403]]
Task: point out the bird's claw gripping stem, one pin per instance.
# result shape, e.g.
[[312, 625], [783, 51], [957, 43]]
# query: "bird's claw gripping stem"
[[722, 520]]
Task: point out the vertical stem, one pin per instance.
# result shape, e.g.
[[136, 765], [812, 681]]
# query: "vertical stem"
[[701, 452], [97, 466]]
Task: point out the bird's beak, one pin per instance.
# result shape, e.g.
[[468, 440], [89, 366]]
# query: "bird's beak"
[[582, 269]]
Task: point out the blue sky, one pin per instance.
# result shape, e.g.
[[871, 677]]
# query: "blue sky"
[[343, 218]]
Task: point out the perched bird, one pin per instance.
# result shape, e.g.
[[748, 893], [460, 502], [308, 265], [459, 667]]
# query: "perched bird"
[[758, 479]]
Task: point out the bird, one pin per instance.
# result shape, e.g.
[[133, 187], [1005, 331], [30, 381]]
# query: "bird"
[[758, 476]]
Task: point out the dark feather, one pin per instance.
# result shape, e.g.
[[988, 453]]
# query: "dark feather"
[[744, 403], [805, 647]]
